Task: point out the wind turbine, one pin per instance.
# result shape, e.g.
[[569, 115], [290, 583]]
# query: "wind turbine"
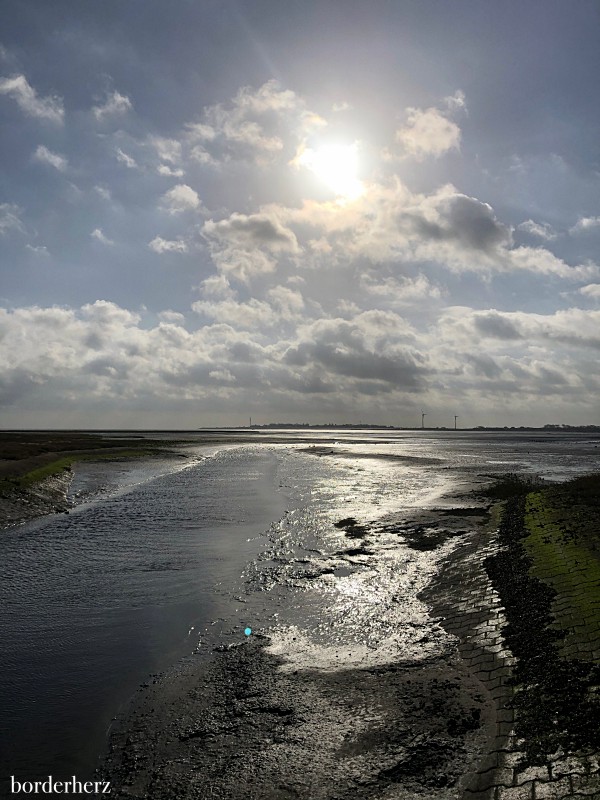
[[423, 415], [455, 418]]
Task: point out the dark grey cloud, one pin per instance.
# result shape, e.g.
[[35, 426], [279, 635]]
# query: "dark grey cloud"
[[401, 370], [254, 230], [495, 325], [485, 365], [467, 221], [16, 385]]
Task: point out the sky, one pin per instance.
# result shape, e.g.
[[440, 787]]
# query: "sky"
[[306, 211]]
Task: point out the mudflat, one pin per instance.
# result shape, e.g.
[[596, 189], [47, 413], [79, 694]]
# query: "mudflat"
[[507, 711]]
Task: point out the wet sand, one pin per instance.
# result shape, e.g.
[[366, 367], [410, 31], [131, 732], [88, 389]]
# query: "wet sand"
[[250, 721], [253, 719], [247, 720]]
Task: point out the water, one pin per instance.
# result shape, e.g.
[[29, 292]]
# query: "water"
[[95, 601], [154, 554]]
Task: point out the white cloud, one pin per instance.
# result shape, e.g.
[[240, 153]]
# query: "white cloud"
[[47, 108], [104, 356], [124, 158], [341, 106], [99, 236], [428, 132], [180, 198], [103, 192], [160, 245], [254, 126], [169, 172], [39, 250], [244, 246], [542, 261], [400, 291], [253, 230], [585, 224], [540, 229], [390, 224], [591, 290], [171, 317], [10, 219], [46, 156], [251, 315], [200, 155], [572, 327], [456, 101], [217, 287], [288, 302], [200, 131], [166, 149], [115, 104]]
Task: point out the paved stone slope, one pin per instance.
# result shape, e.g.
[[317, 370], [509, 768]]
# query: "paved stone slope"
[[553, 682]]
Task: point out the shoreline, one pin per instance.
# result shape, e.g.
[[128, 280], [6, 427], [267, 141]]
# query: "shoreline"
[[286, 730], [243, 724], [36, 470], [246, 722]]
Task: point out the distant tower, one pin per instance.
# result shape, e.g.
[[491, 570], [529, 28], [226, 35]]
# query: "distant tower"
[[250, 421], [455, 418], [423, 415]]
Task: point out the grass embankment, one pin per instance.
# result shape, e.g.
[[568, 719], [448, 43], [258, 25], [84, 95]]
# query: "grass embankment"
[[27, 458], [563, 541], [548, 576], [55, 467]]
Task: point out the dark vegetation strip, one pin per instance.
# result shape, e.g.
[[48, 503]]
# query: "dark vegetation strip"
[[58, 465], [556, 699], [27, 458]]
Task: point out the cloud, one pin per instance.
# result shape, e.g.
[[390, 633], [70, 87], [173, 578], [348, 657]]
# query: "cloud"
[[10, 219], [399, 290], [46, 108], [251, 315], [449, 216], [45, 156], [103, 192], [354, 350], [160, 245], [542, 261], [201, 156], [585, 224], [104, 356], [456, 101], [540, 229], [171, 316], [245, 245], [254, 230], [166, 149], [123, 158], [99, 236], [495, 326], [200, 131], [430, 132], [572, 327], [163, 169], [39, 250], [254, 126], [180, 198], [390, 224], [591, 290], [115, 104]]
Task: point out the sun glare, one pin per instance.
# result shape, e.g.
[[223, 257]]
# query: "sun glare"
[[336, 165]]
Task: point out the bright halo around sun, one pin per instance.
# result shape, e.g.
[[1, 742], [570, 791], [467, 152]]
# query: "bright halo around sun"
[[336, 165]]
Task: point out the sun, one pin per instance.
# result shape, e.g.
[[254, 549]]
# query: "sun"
[[336, 165]]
